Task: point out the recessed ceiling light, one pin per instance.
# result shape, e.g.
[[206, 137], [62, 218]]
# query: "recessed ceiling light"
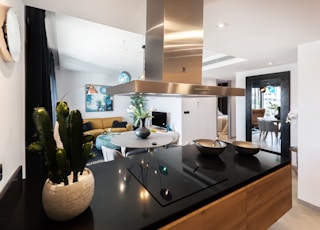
[[222, 24], [270, 63]]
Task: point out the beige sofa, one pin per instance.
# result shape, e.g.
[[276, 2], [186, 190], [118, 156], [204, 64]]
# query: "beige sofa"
[[96, 126]]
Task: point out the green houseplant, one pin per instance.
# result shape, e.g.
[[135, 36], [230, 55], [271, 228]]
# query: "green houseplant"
[[137, 109], [139, 112], [66, 151]]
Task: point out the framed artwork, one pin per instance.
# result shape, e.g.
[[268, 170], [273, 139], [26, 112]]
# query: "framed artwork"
[[97, 99]]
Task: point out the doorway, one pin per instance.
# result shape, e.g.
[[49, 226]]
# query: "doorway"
[[281, 80], [223, 114]]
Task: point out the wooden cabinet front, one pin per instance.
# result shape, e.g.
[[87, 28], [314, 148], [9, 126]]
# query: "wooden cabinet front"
[[255, 206], [269, 198], [228, 212]]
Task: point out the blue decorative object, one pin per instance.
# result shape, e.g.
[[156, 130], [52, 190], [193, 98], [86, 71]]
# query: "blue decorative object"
[[168, 128], [124, 77], [105, 139], [271, 89]]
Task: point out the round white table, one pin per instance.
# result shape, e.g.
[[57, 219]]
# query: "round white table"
[[130, 140]]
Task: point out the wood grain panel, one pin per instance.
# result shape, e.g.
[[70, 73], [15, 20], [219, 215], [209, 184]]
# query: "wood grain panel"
[[269, 198], [228, 212]]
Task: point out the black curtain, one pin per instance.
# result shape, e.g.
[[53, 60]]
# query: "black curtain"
[[38, 90]]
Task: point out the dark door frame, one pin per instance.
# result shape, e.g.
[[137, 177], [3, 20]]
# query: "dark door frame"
[[284, 80]]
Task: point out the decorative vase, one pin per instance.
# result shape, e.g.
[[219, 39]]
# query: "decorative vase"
[[62, 202], [142, 132]]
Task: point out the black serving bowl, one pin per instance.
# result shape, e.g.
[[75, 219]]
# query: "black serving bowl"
[[245, 147], [210, 147]]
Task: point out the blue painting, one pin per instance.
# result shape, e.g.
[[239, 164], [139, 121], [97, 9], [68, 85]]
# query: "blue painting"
[[97, 99]]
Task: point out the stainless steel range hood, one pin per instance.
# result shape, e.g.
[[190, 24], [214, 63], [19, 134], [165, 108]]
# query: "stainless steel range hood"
[[173, 53]]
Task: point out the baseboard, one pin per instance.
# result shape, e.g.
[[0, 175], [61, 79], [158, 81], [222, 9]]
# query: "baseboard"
[[9, 196], [316, 208]]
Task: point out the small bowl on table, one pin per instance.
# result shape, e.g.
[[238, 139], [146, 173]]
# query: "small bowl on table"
[[246, 147], [210, 147]]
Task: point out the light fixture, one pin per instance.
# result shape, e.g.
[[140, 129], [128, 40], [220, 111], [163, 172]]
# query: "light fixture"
[[92, 90], [143, 77], [222, 24], [262, 89]]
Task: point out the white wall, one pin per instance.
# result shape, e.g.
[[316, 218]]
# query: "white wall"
[[12, 102], [201, 121], [71, 87], [308, 123]]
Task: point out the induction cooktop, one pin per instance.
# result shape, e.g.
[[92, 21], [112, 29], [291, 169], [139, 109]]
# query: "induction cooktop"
[[167, 183]]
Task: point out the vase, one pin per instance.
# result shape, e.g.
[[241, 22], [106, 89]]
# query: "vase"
[[142, 132], [62, 202]]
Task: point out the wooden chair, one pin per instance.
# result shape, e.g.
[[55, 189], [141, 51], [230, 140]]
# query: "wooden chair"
[[254, 116]]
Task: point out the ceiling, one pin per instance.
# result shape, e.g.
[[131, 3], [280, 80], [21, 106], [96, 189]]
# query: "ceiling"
[[261, 32]]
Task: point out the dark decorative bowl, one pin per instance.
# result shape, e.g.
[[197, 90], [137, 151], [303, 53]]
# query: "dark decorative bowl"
[[246, 147], [210, 147]]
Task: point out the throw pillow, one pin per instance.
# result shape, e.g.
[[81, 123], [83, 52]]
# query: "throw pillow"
[[118, 124], [86, 126]]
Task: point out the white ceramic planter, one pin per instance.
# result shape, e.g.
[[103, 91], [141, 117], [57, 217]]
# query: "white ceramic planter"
[[62, 202]]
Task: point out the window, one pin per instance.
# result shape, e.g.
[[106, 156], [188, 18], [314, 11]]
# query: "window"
[[268, 97]]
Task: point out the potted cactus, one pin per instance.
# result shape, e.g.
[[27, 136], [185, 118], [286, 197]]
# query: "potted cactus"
[[70, 185]]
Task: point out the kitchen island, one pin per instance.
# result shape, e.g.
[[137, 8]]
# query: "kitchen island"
[[171, 189]]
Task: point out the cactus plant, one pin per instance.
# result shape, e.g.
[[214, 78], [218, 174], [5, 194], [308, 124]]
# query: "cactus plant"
[[66, 151]]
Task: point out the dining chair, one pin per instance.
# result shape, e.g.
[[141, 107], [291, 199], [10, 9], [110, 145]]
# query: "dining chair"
[[110, 154], [135, 151], [175, 139], [272, 127], [262, 128]]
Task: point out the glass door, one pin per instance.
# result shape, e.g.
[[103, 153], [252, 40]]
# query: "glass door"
[[269, 92]]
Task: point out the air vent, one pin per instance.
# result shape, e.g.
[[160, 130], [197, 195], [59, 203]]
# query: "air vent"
[[214, 61]]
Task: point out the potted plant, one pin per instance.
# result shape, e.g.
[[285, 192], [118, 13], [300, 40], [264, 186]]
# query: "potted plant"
[[137, 109], [140, 114], [69, 188]]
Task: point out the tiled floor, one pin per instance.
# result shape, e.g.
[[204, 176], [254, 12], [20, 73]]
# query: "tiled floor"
[[299, 217], [270, 142]]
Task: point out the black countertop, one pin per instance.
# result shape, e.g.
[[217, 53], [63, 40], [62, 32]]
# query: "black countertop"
[[121, 202]]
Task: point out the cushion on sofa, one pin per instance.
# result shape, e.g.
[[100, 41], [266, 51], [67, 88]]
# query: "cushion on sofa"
[[87, 126], [96, 123], [119, 124]]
